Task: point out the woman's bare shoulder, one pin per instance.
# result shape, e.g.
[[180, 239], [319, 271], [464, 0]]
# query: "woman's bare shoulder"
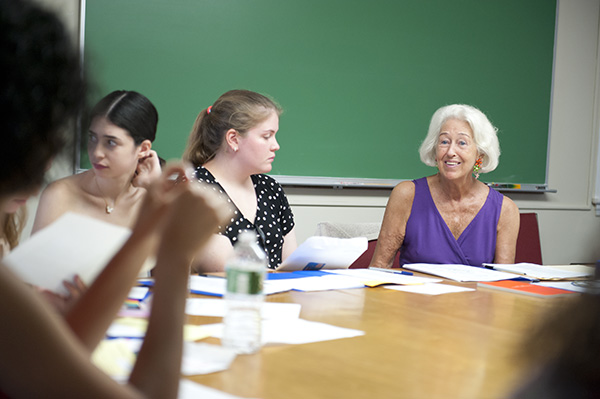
[[404, 191], [509, 210], [67, 190]]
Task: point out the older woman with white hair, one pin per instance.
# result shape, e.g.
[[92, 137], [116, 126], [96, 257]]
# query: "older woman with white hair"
[[451, 217]]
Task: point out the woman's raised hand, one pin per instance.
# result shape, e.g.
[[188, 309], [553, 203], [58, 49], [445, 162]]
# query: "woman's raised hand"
[[148, 170]]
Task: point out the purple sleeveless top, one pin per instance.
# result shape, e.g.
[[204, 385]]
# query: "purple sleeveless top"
[[429, 240]]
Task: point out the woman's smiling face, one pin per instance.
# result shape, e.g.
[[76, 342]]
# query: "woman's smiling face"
[[456, 151]]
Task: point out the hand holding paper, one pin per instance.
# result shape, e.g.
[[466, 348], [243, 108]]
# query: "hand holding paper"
[[72, 245]]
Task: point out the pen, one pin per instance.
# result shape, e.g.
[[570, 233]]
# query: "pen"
[[381, 269], [521, 276]]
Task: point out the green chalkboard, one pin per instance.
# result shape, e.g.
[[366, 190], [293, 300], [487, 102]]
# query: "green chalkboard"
[[358, 80]]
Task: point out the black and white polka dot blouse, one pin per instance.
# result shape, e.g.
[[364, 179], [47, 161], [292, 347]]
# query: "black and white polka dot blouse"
[[274, 218]]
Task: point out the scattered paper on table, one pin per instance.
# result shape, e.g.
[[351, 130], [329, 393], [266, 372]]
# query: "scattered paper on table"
[[216, 286], [191, 390], [218, 307], [142, 313], [130, 327], [460, 272], [540, 272], [563, 285], [202, 358], [127, 327], [193, 332], [324, 283], [429, 289], [138, 293], [298, 331], [115, 357], [374, 278]]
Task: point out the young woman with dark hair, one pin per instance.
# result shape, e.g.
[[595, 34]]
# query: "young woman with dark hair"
[[122, 129]]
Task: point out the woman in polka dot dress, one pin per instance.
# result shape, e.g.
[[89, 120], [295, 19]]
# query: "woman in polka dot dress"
[[232, 145]]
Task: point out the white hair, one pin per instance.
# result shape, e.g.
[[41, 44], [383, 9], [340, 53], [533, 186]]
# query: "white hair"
[[484, 134]]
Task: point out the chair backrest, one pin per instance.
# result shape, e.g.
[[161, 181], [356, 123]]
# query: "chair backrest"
[[364, 260], [529, 248]]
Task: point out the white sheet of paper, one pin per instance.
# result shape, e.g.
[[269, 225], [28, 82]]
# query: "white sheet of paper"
[[319, 252], [200, 358], [368, 275], [217, 286], [192, 390], [460, 272], [73, 244], [325, 283], [588, 270], [217, 308], [116, 357], [213, 285], [429, 289], [540, 272], [138, 293], [132, 327], [563, 285], [297, 331]]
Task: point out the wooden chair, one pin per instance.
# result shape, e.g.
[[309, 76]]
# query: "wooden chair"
[[528, 242]]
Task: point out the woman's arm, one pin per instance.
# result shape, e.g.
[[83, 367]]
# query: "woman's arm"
[[161, 353], [289, 244], [94, 311], [42, 358], [508, 231], [393, 227], [212, 257], [40, 355]]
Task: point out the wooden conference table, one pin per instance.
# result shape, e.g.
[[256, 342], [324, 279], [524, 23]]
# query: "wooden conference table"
[[460, 345]]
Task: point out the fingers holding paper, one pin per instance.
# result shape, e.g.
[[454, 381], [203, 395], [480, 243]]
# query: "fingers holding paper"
[[63, 303]]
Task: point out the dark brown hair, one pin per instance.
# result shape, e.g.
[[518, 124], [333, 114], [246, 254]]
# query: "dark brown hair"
[[131, 111]]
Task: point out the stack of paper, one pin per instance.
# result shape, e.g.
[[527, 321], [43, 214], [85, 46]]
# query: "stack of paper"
[[460, 272], [540, 272]]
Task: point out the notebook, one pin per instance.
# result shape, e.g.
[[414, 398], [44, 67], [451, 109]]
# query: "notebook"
[[524, 287]]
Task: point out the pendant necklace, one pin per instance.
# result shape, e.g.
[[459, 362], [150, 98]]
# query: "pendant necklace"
[[108, 208]]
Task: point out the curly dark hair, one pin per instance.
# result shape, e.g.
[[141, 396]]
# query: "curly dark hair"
[[41, 90]]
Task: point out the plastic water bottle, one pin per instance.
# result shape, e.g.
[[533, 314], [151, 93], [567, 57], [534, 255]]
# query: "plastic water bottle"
[[244, 295]]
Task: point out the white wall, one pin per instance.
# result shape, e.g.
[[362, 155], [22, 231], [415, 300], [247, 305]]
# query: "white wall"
[[570, 231]]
